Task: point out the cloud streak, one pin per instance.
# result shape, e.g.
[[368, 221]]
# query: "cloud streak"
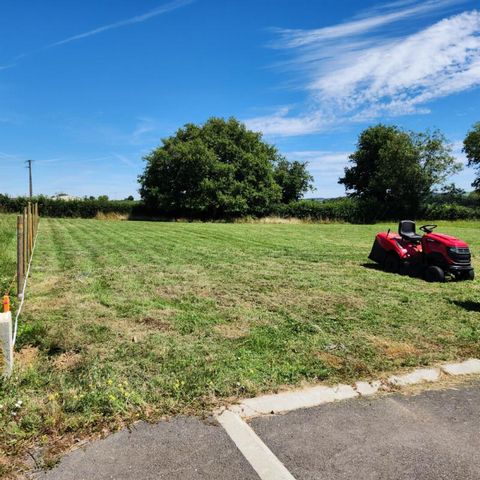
[[356, 71], [370, 20], [5, 67], [168, 7], [326, 167]]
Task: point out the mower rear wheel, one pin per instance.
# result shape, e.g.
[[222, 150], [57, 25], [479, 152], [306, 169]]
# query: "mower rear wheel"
[[392, 263], [434, 274]]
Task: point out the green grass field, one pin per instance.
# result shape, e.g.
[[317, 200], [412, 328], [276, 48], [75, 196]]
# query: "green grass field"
[[128, 320]]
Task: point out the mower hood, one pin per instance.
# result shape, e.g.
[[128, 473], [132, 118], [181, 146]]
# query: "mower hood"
[[447, 240]]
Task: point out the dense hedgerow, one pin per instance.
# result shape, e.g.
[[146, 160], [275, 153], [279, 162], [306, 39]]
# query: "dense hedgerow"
[[355, 211], [450, 212], [345, 209], [81, 208], [463, 199]]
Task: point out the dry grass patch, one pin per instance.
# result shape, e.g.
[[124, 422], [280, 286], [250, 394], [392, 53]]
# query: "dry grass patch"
[[277, 221], [233, 330], [111, 216], [158, 320], [67, 360], [330, 359], [26, 357], [393, 349]]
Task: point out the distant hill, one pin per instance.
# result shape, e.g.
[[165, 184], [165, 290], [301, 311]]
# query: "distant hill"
[[324, 199]]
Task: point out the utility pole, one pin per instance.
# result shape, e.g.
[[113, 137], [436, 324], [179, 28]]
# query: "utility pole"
[[29, 163]]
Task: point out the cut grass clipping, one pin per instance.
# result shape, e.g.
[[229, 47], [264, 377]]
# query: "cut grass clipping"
[[130, 320]]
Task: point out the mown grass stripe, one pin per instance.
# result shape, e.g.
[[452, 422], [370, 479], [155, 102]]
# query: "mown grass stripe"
[[129, 320]]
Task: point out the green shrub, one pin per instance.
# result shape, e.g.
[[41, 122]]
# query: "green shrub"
[[450, 212]]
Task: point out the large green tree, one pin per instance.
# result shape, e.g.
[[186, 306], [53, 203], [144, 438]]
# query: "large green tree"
[[471, 147], [393, 170], [219, 169], [293, 178]]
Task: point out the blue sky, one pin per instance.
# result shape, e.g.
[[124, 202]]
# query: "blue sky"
[[87, 88]]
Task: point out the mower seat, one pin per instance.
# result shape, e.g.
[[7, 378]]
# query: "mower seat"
[[406, 229]]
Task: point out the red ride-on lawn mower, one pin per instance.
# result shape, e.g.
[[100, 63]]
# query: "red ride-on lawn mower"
[[433, 255]]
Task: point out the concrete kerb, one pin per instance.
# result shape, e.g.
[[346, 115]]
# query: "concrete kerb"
[[417, 376], [468, 367], [234, 419], [313, 396]]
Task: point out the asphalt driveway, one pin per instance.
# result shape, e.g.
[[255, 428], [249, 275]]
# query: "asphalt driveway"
[[433, 435]]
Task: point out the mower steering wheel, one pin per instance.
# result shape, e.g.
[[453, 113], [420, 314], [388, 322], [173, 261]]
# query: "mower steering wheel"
[[428, 228]]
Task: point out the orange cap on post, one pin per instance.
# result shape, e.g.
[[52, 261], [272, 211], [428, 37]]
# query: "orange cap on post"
[[6, 303]]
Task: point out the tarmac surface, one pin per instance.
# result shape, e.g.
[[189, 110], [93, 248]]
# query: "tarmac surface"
[[183, 449], [433, 435]]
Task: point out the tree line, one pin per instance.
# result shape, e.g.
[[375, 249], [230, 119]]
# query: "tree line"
[[223, 170]]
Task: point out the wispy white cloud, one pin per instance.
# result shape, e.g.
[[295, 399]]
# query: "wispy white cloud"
[[167, 7], [129, 162], [66, 160], [10, 158], [5, 67], [12, 118], [146, 127], [326, 168], [366, 22], [281, 123], [162, 9], [144, 133], [320, 159], [357, 71]]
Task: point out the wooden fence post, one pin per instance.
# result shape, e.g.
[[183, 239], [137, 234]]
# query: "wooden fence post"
[[30, 230], [20, 259], [25, 233], [34, 219], [35, 210]]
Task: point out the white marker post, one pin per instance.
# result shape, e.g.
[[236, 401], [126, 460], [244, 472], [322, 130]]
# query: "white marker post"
[[6, 342]]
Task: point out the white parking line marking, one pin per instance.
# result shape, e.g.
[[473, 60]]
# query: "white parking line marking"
[[260, 457]]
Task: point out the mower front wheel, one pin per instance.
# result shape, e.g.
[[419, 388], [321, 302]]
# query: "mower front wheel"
[[434, 274], [392, 263], [468, 275]]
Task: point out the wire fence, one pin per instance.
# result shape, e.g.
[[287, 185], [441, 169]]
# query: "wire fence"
[[27, 230]]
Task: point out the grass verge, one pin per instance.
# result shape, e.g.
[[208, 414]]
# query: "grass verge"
[[137, 320], [7, 251]]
